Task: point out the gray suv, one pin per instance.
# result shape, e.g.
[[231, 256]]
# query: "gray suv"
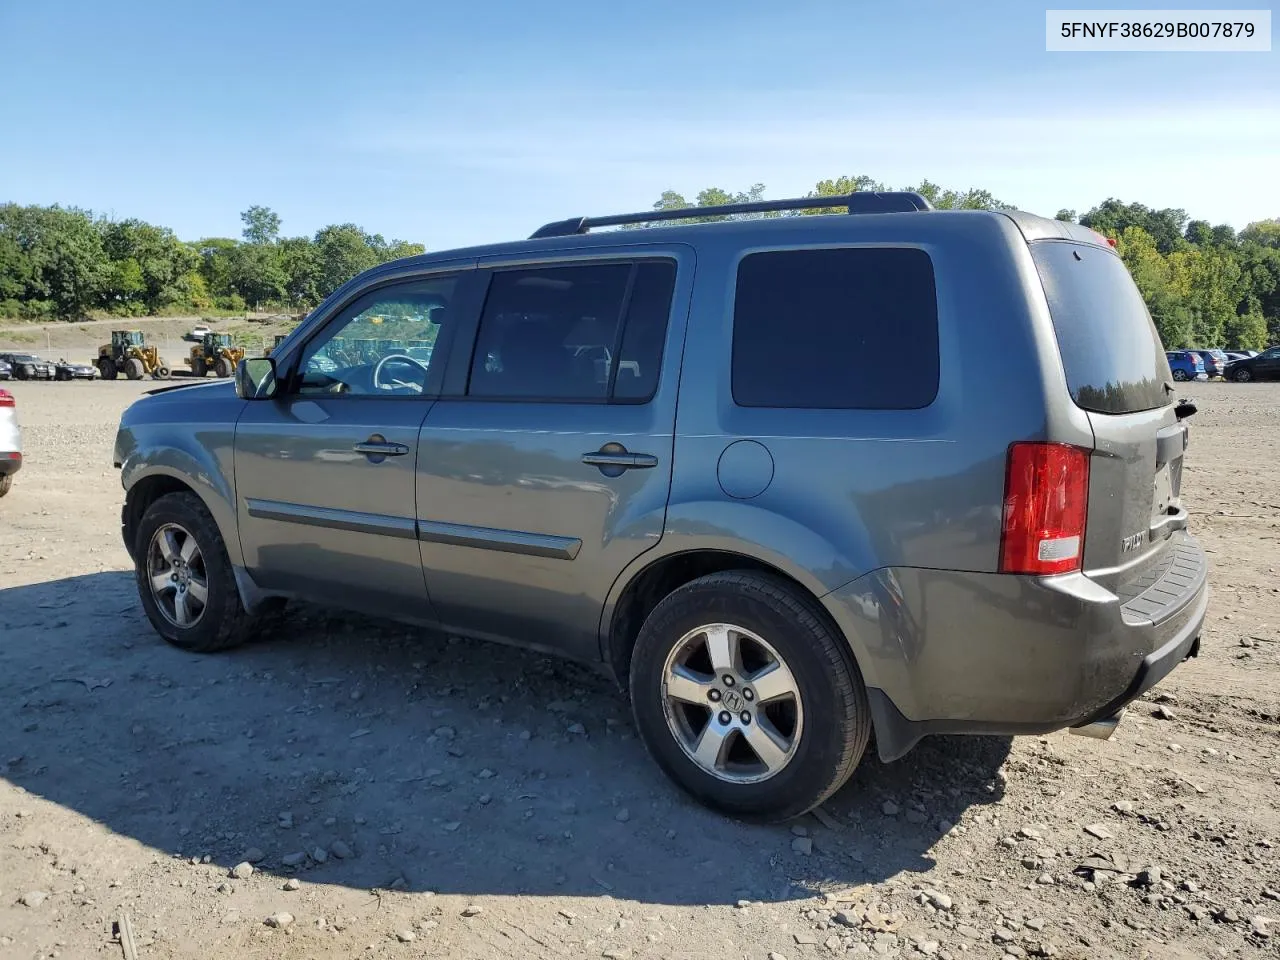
[[679, 452]]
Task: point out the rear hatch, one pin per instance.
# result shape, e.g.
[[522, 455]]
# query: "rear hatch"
[[1118, 373]]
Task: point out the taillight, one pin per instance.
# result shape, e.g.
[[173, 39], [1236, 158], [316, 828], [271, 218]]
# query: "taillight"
[[1046, 494], [6, 399]]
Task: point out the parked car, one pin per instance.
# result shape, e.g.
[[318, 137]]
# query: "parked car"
[[1215, 361], [1186, 365], [197, 333], [27, 366], [10, 441], [6, 371], [796, 560], [67, 370], [1265, 366], [1240, 354]]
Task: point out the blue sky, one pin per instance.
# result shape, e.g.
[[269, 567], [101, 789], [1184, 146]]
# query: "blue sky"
[[457, 123]]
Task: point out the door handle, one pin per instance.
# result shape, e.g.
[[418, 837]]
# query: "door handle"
[[377, 447], [613, 458]]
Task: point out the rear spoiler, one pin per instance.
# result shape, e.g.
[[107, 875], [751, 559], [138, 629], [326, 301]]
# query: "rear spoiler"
[[1039, 228]]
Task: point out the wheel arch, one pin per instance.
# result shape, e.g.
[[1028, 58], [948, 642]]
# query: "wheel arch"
[[178, 474], [639, 589]]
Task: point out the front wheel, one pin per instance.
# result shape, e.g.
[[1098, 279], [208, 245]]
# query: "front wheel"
[[134, 369], [185, 579], [1180, 375], [747, 697], [1242, 376], [221, 367]]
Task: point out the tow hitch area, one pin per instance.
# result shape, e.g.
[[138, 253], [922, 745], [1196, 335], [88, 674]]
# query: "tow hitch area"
[[1100, 729]]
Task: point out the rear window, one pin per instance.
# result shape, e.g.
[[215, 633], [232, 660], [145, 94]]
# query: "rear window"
[[1111, 352], [849, 328]]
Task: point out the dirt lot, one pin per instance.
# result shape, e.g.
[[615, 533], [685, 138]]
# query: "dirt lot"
[[79, 342], [406, 796]]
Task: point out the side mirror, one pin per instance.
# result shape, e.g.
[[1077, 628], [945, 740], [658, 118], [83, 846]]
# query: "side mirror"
[[256, 378]]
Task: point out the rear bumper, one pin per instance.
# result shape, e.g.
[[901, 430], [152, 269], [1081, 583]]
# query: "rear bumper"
[[10, 463], [948, 653]]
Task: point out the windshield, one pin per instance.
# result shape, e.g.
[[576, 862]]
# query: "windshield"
[[1111, 352]]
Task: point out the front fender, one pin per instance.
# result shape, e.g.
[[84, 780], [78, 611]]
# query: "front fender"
[[198, 452]]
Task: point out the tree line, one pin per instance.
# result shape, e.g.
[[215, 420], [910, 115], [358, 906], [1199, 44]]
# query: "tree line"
[[64, 263], [1205, 285]]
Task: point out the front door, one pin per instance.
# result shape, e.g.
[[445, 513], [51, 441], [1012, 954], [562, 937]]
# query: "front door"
[[545, 468], [325, 471]]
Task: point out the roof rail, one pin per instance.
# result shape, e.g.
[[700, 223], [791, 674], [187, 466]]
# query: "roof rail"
[[862, 201]]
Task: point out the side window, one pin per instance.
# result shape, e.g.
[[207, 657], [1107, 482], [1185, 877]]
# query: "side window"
[[583, 333], [383, 344], [846, 329]]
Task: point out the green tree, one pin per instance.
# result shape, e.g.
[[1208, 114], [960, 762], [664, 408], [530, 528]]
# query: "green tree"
[[1067, 215], [256, 274], [342, 251], [1152, 275], [261, 225], [160, 260], [1166, 226], [1263, 232]]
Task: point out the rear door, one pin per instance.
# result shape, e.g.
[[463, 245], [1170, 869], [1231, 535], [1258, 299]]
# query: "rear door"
[[1117, 371], [545, 468]]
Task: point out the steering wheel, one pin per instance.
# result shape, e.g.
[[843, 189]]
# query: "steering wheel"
[[395, 383]]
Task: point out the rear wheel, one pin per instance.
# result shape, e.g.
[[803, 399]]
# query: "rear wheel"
[[1180, 375], [133, 368], [107, 367], [747, 697], [222, 367], [184, 578], [1243, 375], [22, 372], [62, 375], [6, 483]]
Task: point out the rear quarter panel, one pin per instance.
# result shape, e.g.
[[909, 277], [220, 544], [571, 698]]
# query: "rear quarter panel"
[[857, 491]]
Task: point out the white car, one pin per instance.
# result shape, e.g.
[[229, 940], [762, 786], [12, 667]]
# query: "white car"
[[196, 333], [10, 441]]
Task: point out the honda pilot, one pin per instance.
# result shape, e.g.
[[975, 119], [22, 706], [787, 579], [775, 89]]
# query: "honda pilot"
[[659, 450]]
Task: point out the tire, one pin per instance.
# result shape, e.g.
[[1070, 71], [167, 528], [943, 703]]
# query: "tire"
[[828, 734], [1180, 375], [62, 375], [221, 367], [22, 373], [133, 368], [6, 483], [107, 367], [161, 371], [1242, 376], [221, 622], [198, 368]]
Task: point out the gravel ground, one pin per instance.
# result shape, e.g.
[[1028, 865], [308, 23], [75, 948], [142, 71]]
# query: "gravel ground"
[[353, 788]]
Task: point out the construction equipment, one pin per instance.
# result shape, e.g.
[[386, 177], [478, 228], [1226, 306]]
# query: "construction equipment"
[[214, 352], [128, 353], [280, 338]]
